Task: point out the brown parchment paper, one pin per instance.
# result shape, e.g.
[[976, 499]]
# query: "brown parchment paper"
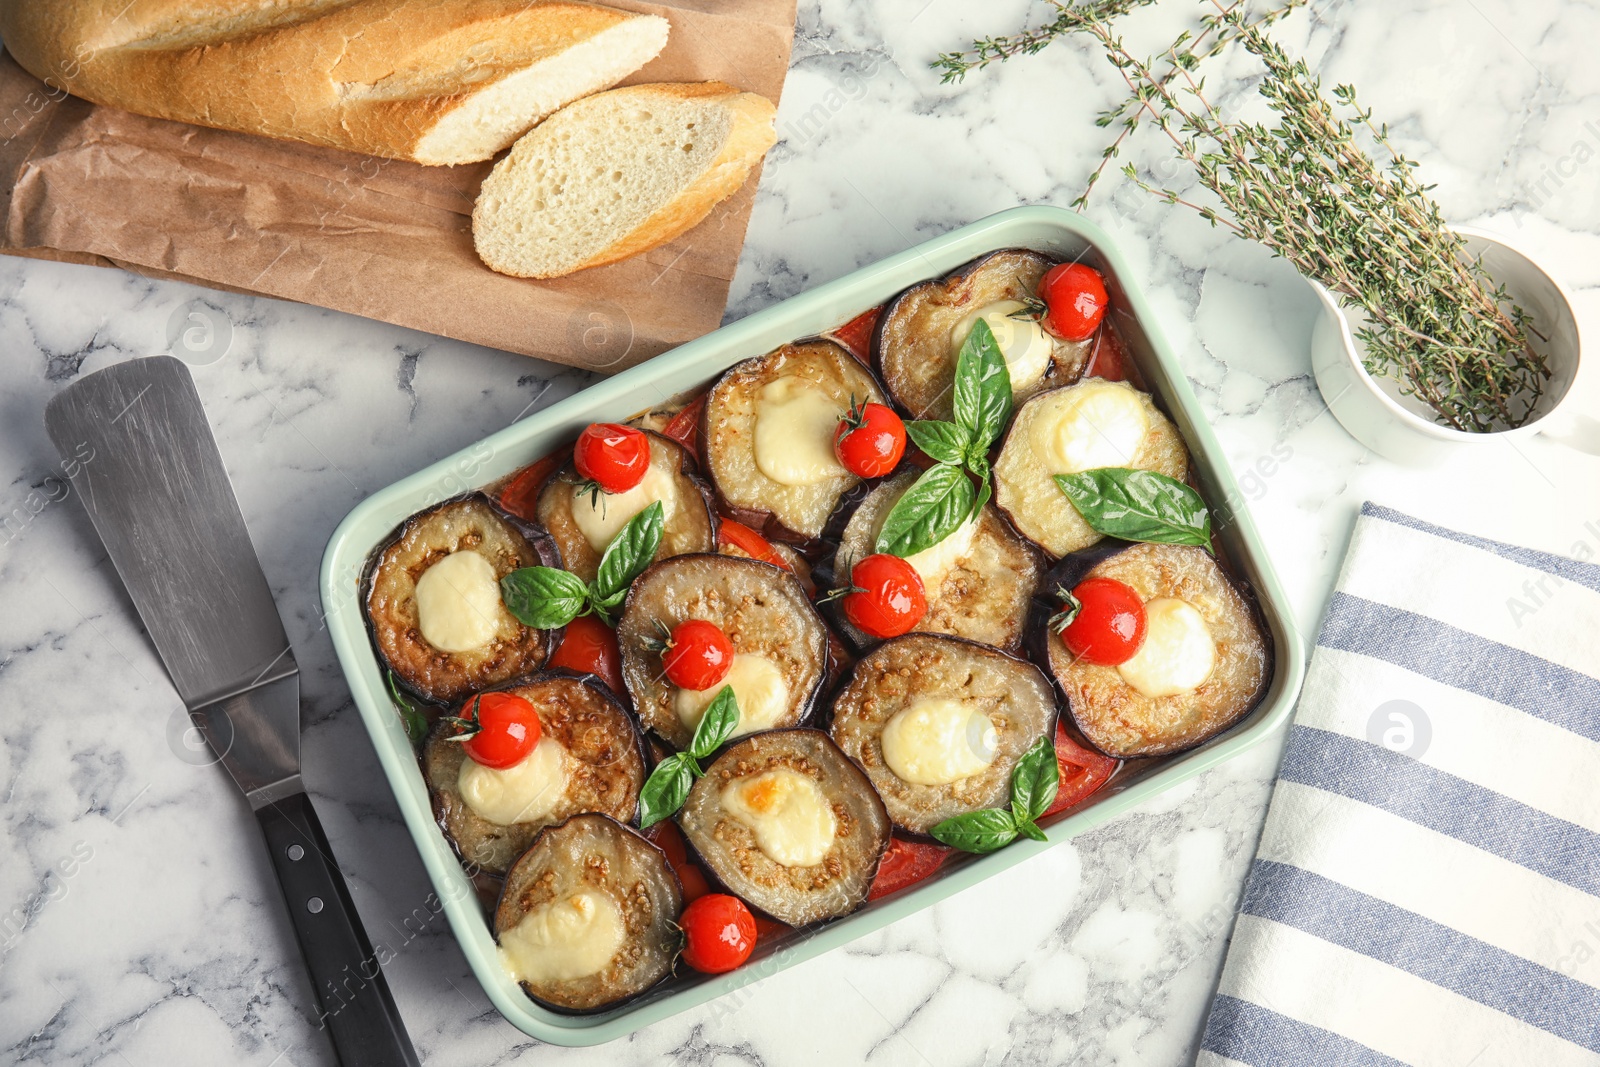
[[383, 238]]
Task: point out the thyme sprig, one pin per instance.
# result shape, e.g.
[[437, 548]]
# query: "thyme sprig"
[[1069, 19]]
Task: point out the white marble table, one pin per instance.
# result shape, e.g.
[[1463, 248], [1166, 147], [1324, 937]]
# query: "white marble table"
[[139, 925]]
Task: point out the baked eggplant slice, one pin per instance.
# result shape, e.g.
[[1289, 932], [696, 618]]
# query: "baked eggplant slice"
[[1094, 423], [769, 428], [922, 330], [785, 821], [590, 757], [1204, 664], [780, 645], [588, 916], [583, 523], [980, 580], [432, 600], [939, 723]]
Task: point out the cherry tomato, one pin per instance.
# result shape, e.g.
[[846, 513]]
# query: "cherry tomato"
[[886, 598], [1110, 624], [521, 494], [698, 655], [613, 457], [719, 933], [750, 543], [508, 728], [684, 427], [1075, 301], [870, 440], [905, 864], [590, 647], [1082, 772]]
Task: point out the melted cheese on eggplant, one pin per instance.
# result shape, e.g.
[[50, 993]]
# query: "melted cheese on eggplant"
[[458, 602], [1022, 340], [1094, 424], [1178, 653], [795, 424], [940, 558], [601, 516], [792, 820], [524, 792], [758, 686], [572, 937], [937, 741]]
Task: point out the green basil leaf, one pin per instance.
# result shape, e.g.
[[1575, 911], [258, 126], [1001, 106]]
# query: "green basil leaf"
[[544, 597], [1034, 781], [416, 723], [716, 725], [977, 831], [666, 789], [944, 442], [1029, 829], [982, 395], [1138, 505], [628, 553], [936, 504], [985, 487]]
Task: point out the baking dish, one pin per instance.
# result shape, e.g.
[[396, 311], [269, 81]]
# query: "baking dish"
[[1057, 232]]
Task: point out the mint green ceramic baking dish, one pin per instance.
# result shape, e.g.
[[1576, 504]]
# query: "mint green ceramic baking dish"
[[1054, 231]]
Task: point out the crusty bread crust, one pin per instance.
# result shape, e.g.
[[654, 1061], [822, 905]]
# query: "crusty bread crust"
[[750, 134], [371, 76]]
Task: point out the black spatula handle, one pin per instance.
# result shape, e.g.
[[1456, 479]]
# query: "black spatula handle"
[[354, 1003]]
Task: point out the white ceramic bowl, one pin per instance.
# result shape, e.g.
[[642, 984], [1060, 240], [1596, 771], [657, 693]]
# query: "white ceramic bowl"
[[1402, 428]]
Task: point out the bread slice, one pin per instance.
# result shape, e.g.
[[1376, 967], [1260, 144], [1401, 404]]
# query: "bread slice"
[[616, 174], [435, 81]]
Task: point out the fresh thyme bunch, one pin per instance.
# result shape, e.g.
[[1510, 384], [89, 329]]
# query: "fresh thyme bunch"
[[1306, 190]]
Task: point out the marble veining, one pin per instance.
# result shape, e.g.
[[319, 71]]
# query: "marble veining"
[[139, 923]]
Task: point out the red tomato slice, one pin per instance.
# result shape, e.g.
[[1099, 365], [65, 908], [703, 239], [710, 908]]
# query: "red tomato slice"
[[1108, 359], [521, 494], [905, 864], [684, 427], [770, 929], [749, 542], [669, 839], [856, 335], [1082, 772], [590, 647]]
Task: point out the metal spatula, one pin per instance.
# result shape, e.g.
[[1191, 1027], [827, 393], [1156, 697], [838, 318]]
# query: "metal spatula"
[[160, 499]]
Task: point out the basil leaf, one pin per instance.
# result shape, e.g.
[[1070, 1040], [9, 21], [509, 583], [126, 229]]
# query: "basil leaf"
[[1138, 505], [977, 831], [666, 789], [1034, 781], [936, 504], [982, 396], [944, 442], [544, 597], [628, 553], [716, 725], [416, 723], [1029, 829]]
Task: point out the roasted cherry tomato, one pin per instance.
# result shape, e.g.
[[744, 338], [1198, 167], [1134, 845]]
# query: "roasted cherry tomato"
[[1075, 301], [856, 335], [905, 864], [590, 647], [870, 440], [508, 728], [698, 655], [750, 543], [719, 933], [521, 494], [666, 836], [684, 427], [613, 457], [1110, 624], [1082, 772], [886, 598]]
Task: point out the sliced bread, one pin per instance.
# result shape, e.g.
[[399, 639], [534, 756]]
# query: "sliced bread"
[[616, 174], [435, 81]]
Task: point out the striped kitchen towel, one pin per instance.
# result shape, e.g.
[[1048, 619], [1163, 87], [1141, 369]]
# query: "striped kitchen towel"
[[1427, 888]]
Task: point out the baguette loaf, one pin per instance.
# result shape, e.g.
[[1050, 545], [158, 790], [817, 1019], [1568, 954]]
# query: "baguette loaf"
[[435, 81], [616, 174]]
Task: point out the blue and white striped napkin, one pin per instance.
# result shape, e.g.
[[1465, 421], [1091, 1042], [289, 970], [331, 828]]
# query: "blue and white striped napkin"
[[1427, 888]]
